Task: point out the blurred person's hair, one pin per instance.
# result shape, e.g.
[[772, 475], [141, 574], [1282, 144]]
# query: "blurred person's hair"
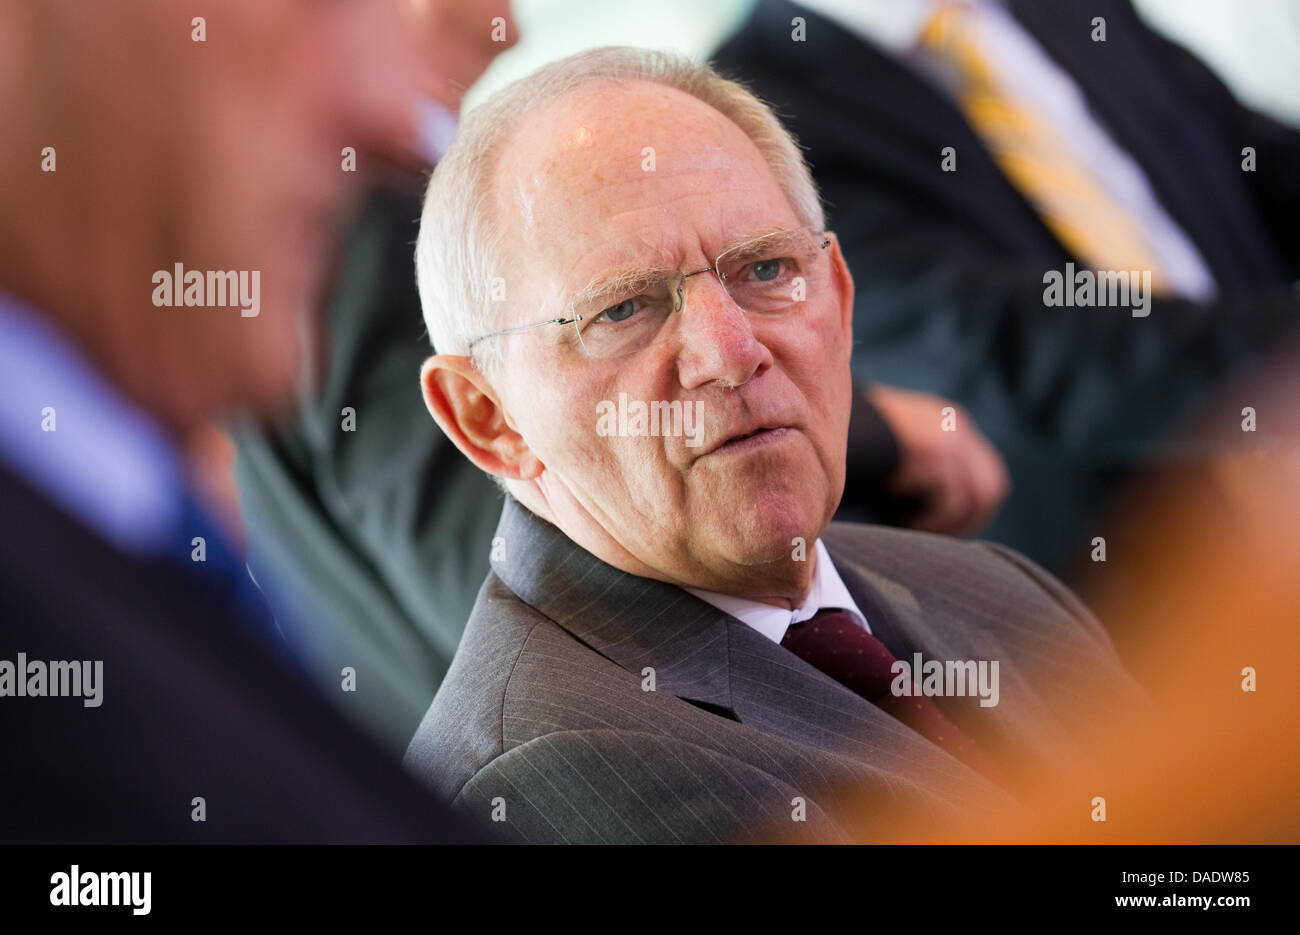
[[458, 252]]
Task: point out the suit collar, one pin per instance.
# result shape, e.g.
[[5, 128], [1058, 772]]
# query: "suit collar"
[[634, 622], [894, 25], [826, 591], [694, 648]]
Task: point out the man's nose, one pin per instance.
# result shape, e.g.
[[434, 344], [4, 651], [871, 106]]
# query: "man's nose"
[[716, 338]]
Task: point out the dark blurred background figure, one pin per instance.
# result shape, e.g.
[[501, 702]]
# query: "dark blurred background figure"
[[362, 510], [1075, 134], [135, 138], [361, 513]]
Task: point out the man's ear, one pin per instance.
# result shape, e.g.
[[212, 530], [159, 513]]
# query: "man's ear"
[[843, 287], [466, 407]]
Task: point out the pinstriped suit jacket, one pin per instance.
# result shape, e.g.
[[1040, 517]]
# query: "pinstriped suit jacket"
[[544, 720]]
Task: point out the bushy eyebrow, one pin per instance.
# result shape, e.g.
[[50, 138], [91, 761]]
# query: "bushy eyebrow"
[[621, 282], [758, 244]]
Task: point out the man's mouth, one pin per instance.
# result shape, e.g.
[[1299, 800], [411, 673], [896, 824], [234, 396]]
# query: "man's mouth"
[[750, 441]]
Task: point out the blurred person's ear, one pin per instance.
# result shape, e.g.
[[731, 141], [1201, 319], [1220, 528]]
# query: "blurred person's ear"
[[469, 411]]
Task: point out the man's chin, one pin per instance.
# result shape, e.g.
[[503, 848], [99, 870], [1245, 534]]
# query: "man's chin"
[[772, 528]]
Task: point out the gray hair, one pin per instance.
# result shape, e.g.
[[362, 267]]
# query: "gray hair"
[[458, 252]]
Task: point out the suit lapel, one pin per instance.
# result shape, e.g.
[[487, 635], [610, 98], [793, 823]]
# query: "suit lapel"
[[900, 620], [634, 622]]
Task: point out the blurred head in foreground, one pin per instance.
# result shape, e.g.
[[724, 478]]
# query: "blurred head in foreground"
[[156, 158], [459, 39], [687, 265], [211, 138]]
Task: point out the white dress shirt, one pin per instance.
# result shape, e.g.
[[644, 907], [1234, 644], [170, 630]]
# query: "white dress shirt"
[[827, 591], [1038, 84], [106, 462]]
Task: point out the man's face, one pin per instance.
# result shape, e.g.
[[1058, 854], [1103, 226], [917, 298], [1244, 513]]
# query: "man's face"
[[221, 154], [583, 200]]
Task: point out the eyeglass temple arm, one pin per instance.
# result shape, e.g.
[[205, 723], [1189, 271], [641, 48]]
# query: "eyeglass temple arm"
[[536, 324]]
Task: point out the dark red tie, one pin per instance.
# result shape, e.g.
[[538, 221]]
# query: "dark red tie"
[[839, 647]]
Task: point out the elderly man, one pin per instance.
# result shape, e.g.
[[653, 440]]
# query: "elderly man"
[[647, 337], [385, 528]]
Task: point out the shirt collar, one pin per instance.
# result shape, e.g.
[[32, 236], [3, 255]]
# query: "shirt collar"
[[827, 591], [893, 25], [70, 434]]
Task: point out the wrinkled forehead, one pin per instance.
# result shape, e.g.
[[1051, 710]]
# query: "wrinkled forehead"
[[628, 173]]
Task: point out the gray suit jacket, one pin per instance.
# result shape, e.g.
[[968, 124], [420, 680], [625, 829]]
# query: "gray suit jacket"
[[544, 729]]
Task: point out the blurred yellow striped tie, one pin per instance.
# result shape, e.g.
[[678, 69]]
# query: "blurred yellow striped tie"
[[1044, 167]]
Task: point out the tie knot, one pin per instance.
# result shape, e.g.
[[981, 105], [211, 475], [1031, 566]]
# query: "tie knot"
[[833, 642], [825, 623]]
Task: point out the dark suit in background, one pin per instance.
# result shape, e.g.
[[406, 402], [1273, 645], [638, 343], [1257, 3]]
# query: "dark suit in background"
[[383, 532], [949, 265], [193, 704]]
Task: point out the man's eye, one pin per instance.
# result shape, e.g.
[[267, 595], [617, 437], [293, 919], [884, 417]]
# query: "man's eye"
[[620, 312], [766, 270]]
